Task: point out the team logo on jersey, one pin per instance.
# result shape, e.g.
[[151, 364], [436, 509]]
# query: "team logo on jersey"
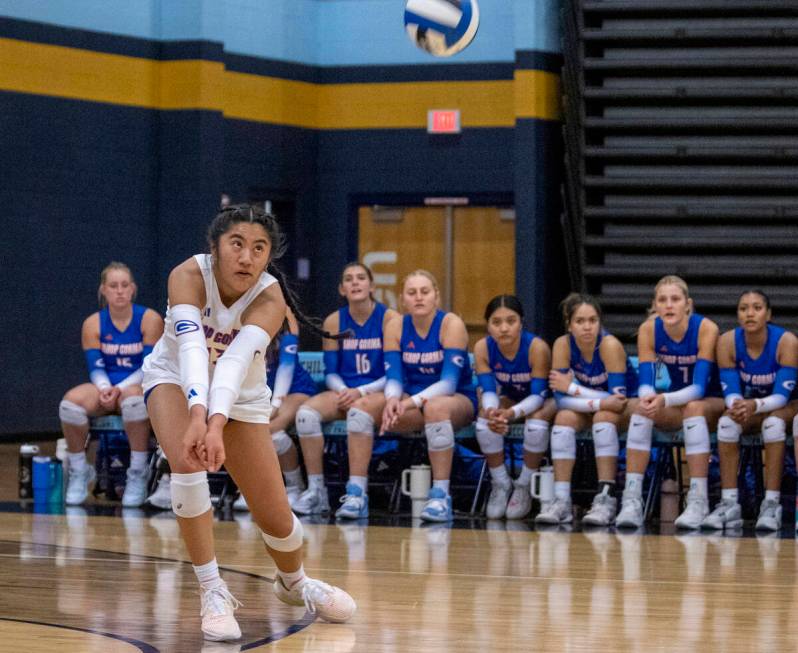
[[664, 348], [109, 337], [291, 349], [185, 326], [458, 360], [411, 345], [497, 366]]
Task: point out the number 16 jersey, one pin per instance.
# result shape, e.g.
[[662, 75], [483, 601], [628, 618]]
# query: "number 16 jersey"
[[360, 357]]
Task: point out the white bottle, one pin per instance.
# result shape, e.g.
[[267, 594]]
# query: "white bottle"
[[61, 454]]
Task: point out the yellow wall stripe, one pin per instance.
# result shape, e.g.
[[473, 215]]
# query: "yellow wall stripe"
[[115, 79]]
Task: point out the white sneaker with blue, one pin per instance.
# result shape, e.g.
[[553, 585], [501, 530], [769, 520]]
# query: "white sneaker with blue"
[[356, 503], [438, 507]]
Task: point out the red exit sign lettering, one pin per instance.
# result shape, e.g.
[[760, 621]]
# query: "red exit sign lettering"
[[443, 121]]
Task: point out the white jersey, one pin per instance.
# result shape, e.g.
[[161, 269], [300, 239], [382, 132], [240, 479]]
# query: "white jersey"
[[221, 324]]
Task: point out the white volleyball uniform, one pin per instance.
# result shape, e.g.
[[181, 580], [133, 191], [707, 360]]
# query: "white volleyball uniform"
[[221, 324]]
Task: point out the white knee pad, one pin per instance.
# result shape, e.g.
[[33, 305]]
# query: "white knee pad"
[[729, 430], [290, 542], [70, 413], [134, 409], [191, 496], [282, 442], [489, 441], [639, 434], [773, 430], [536, 436], [605, 439], [440, 435], [563, 443], [696, 435], [308, 423], [359, 421]]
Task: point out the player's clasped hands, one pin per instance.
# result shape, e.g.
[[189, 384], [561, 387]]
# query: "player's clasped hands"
[[742, 410], [108, 398], [394, 409], [649, 406], [499, 420], [347, 397], [203, 445]]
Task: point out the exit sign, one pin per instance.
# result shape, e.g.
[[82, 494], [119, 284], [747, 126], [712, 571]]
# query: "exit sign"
[[443, 121]]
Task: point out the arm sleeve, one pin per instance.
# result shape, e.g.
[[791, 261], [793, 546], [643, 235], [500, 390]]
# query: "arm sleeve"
[[453, 362], [730, 383], [534, 401], [96, 365], [289, 344], [374, 386], [332, 379], [232, 367], [394, 385], [648, 374], [134, 378], [696, 389], [616, 382], [577, 404], [192, 353], [782, 389], [487, 384]]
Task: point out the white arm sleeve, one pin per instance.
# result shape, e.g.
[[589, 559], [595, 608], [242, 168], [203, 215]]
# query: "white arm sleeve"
[[100, 379], [134, 378], [334, 382], [770, 403], [527, 405], [646, 391], [579, 405], [490, 400], [232, 367], [577, 390], [683, 396], [192, 353], [440, 388], [374, 386]]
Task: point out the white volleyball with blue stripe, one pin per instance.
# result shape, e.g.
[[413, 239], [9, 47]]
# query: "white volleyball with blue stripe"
[[441, 27]]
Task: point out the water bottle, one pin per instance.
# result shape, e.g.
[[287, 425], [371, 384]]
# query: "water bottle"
[[62, 454], [26, 454]]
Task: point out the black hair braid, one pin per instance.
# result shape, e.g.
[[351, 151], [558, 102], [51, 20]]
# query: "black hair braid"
[[293, 303]]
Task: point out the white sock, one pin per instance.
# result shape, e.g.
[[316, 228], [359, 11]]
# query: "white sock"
[[316, 481], [443, 485], [634, 483], [291, 578], [500, 476], [293, 477], [562, 490], [208, 575], [525, 477], [139, 459], [730, 495], [699, 486], [77, 461], [361, 481], [773, 495]]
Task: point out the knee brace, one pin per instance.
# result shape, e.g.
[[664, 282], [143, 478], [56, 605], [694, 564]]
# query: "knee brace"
[[440, 435], [536, 436], [290, 542], [563, 443], [70, 413], [282, 442], [489, 441], [696, 435], [134, 409], [729, 431], [308, 423], [639, 435], [605, 439], [359, 421], [191, 496], [773, 430]]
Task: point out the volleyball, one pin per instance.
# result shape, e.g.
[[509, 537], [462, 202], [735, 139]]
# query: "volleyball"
[[441, 27]]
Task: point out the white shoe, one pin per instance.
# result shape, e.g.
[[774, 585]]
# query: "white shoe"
[[497, 500], [769, 516], [162, 497], [520, 501], [312, 501], [603, 510], [631, 515], [240, 503], [695, 512], [293, 492], [135, 487], [78, 484], [558, 511], [727, 514], [218, 606], [325, 601]]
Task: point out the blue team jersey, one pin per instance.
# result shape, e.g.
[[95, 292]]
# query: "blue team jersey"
[[301, 382], [360, 357], [757, 376], [593, 374], [422, 359], [122, 351], [680, 357], [514, 377]]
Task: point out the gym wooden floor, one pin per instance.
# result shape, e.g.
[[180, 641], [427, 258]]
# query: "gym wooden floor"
[[77, 582]]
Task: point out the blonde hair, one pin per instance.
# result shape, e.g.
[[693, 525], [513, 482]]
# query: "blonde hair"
[[113, 265], [671, 280], [427, 275]]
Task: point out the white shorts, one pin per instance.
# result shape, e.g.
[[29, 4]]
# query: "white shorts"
[[255, 410]]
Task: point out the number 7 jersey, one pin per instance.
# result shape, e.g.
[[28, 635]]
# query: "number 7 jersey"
[[680, 357], [360, 357]]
